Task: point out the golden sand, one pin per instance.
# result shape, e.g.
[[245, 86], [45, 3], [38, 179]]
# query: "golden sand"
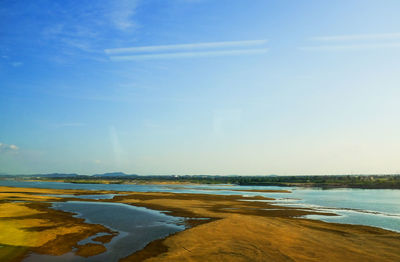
[[31, 226], [258, 231], [235, 230]]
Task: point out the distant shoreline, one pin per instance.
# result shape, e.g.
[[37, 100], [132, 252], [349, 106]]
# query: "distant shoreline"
[[221, 227], [323, 182]]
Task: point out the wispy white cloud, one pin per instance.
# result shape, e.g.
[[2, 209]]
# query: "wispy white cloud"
[[357, 37], [5, 148], [354, 42], [83, 34], [122, 12], [193, 50], [13, 147], [190, 54], [184, 47], [351, 46]]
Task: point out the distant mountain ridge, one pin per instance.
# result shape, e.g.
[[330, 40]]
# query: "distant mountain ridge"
[[55, 175]]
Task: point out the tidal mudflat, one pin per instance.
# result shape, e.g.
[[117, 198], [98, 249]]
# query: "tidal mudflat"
[[135, 226], [37, 223]]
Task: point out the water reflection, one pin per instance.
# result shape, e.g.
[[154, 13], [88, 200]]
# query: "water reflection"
[[137, 226]]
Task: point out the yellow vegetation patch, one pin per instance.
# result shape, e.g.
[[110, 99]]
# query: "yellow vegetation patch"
[[18, 232], [253, 238], [11, 253], [16, 210], [6, 189], [31, 226], [25, 197]]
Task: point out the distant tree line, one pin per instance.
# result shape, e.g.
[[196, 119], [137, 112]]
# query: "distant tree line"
[[331, 181]]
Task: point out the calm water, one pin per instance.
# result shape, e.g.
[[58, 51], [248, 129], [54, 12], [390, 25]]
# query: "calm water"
[[137, 226], [373, 207]]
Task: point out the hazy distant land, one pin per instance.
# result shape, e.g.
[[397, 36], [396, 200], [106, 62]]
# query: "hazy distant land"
[[328, 181]]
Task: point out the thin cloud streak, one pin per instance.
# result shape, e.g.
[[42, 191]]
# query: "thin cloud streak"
[[360, 37], [350, 47], [190, 54], [194, 46]]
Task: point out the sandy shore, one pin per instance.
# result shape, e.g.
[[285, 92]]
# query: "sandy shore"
[[234, 230], [28, 224]]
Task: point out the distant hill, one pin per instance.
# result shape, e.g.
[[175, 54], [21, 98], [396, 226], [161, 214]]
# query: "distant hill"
[[115, 174]]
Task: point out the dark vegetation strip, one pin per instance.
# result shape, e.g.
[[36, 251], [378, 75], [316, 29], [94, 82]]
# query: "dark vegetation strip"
[[338, 181]]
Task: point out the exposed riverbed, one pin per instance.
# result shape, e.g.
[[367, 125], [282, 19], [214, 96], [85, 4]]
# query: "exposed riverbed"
[[136, 227]]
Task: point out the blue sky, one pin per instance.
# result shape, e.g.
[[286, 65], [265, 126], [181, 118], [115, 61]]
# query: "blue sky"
[[200, 87]]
